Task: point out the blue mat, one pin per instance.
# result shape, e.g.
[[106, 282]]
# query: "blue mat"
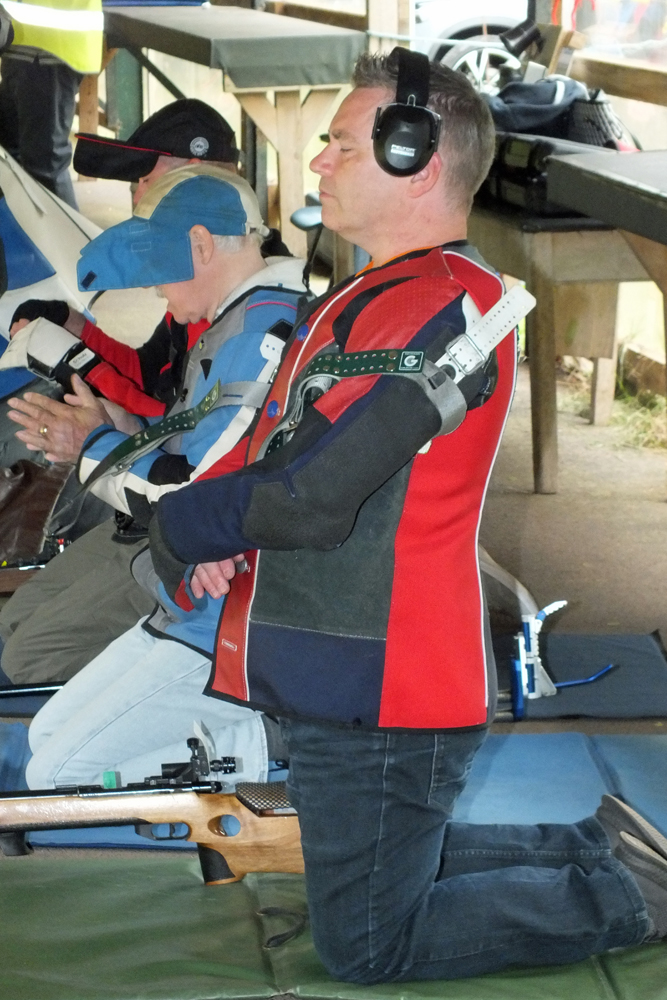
[[532, 778], [635, 689]]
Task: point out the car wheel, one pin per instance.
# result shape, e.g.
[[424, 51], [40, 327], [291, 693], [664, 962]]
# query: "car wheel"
[[484, 60]]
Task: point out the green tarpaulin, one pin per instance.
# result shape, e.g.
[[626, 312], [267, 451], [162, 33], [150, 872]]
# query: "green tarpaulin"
[[254, 48], [146, 928]]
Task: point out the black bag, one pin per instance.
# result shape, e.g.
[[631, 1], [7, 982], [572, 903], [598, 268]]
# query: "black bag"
[[28, 496], [562, 109], [43, 509], [595, 122]]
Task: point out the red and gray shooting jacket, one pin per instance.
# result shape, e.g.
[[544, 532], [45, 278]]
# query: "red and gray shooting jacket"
[[363, 602]]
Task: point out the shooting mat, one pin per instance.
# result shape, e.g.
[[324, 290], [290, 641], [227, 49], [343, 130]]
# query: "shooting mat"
[[146, 928], [635, 689]]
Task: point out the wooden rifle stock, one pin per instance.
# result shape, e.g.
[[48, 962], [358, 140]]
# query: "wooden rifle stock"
[[264, 843]]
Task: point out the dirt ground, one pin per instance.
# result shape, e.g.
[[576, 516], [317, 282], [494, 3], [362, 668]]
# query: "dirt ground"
[[600, 542]]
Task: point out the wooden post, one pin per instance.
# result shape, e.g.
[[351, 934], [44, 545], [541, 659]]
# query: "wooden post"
[[289, 125], [124, 94], [88, 108], [653, 257], [542, 355], [290, 167], [388, 17], [603, 388]]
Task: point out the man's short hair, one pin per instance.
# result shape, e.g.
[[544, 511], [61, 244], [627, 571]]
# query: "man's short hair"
[[467, 137], [235, 244]]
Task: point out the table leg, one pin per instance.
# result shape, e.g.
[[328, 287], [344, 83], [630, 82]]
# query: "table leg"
[[603, 388], [288, 126], [653, 257], [542, 356]]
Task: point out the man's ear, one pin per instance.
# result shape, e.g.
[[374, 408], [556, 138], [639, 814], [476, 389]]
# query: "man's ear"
[[202, 243], [426, 179]]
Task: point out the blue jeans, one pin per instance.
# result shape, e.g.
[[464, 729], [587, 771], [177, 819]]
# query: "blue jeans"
[[397, 892]]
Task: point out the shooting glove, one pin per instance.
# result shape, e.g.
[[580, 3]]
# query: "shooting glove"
[[52, 309], [51, 352]]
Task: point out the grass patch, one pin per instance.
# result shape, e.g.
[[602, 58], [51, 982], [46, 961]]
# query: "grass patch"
[[641, 420]]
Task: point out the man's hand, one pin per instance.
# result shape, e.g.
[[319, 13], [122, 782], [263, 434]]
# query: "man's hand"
[[54, 310], [58, 429], [123, 421], [213, 578]]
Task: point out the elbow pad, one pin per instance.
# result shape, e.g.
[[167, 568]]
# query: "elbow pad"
[[50, 352]]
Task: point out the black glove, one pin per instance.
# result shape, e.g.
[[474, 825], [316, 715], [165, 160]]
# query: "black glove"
[[54, 310]]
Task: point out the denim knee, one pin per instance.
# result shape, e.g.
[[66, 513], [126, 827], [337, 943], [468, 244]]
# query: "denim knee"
[[344, 966], [347, 956]]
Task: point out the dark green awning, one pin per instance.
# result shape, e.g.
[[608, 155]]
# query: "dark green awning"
[[254, 48]]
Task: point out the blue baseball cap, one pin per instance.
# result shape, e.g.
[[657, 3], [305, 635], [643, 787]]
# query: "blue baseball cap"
[[153, 247]]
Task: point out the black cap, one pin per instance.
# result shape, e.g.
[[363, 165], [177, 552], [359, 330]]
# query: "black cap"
[[187, 128]]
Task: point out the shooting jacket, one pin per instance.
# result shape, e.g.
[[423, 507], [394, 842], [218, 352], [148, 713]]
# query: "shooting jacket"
[[144, 380], [243, 344], [147, 380], [363, 603]]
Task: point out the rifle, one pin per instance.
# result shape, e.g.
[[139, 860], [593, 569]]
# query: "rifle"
[[267, 837]]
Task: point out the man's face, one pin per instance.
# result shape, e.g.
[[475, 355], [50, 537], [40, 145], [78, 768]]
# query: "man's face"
[[184, 299], [163, 166], [356, 193]]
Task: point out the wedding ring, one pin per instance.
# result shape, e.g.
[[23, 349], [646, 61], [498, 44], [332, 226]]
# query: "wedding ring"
[[43, 430]]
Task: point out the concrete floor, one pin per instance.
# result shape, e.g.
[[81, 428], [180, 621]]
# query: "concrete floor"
[[600, 542]]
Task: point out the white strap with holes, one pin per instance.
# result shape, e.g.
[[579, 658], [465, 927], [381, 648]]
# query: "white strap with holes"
[[469, 351]]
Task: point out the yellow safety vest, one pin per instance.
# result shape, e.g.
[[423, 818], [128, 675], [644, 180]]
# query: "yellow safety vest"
[[69, 29]]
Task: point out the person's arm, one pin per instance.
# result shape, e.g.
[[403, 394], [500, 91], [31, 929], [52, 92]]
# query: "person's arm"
[[125, 359], [60, 429], [120, 389], [121, 373], [307, 494], [149, 369]]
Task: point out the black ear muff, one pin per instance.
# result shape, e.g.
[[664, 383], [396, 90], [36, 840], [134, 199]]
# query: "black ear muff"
[[405, 134]]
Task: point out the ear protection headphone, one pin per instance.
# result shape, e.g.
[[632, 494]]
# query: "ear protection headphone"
[[405, 134]]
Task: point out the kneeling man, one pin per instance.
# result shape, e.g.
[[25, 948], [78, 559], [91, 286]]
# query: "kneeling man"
[[196, 235]]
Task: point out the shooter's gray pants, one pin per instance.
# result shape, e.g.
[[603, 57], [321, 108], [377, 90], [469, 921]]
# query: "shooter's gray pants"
[[72, 609]]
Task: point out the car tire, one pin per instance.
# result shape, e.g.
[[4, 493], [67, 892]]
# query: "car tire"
[[481, 59]]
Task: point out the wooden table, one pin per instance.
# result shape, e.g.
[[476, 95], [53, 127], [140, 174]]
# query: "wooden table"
[[636, 79], [302, 63], [572, 267], [626, 190]]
